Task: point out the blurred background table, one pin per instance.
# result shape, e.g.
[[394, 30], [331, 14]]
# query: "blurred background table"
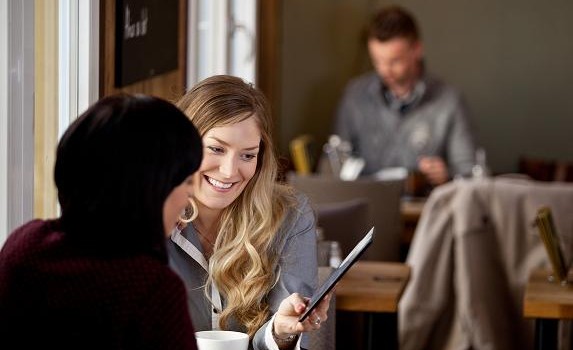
[[548, 302], [372, 288]]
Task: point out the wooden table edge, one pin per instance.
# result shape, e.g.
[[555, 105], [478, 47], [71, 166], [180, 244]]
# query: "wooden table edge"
[[349, 302]]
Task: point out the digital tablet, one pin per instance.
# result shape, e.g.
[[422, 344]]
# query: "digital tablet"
[[338, 273]]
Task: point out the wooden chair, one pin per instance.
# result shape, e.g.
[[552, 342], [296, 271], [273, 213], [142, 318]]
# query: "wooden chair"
[[546, 169]]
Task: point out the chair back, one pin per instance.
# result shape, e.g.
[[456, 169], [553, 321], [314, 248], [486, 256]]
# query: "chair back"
[[344, 222], [383, 201], [473, 250]]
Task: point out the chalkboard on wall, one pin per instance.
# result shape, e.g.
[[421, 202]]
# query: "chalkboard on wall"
[[146, 39]]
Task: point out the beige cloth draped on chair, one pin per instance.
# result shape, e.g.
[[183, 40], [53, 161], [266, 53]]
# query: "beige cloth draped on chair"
[[471, 256]]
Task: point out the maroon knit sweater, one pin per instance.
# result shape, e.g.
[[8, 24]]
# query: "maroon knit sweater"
[[51, 296]]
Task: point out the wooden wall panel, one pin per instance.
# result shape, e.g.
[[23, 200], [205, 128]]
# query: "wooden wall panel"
[[45, 108], [268, 60], [170, 85]]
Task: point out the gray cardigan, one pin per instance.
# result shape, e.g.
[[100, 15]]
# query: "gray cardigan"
[[436, 123], [296, 242]]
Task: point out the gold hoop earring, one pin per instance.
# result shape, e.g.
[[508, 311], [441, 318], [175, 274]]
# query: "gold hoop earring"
[[190, 212]]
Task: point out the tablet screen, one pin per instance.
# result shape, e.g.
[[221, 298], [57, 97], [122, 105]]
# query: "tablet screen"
[[338, 273]]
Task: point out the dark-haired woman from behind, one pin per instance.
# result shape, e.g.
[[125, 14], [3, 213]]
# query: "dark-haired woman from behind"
[[97, 277]]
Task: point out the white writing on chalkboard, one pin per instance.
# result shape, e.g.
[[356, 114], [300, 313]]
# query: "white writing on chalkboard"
[[136, 29]]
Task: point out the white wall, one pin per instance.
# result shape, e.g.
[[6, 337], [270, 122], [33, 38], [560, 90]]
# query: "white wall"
[[18, 144], [78, 88], [222, 39], [78, 47], [3, 120]]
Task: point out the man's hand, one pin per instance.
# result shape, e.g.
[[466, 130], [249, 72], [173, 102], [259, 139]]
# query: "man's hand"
[[435, 169]]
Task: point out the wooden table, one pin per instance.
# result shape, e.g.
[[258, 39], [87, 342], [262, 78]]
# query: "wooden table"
[[375, 288], [547, 302]]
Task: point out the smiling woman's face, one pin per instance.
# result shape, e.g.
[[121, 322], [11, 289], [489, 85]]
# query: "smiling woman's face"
[[230, 159]]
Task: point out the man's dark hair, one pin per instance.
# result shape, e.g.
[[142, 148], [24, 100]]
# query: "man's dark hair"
[[393, 22]]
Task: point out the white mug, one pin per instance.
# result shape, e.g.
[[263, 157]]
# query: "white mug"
[[222, 340]]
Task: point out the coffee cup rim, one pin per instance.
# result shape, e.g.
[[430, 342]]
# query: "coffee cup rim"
[[236, 335]]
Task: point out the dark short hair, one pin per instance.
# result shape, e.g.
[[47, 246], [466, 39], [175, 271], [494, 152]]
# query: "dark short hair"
[[115, 166], [393, 22]]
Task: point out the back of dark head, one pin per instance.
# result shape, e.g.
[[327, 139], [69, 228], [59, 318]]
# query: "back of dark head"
[[115, 166]]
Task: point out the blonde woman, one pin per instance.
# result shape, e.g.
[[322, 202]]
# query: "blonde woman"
[[249, 257]]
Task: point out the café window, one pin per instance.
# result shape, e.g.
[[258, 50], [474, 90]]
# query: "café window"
[[222, 39]]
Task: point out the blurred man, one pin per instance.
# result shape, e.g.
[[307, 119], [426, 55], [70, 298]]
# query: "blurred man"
[[400, 116]]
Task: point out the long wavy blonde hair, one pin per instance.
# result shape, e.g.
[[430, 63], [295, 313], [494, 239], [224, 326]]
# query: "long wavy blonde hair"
[[244, 259]]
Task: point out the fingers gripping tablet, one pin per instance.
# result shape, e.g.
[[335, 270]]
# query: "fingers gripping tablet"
[[338, 273]]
